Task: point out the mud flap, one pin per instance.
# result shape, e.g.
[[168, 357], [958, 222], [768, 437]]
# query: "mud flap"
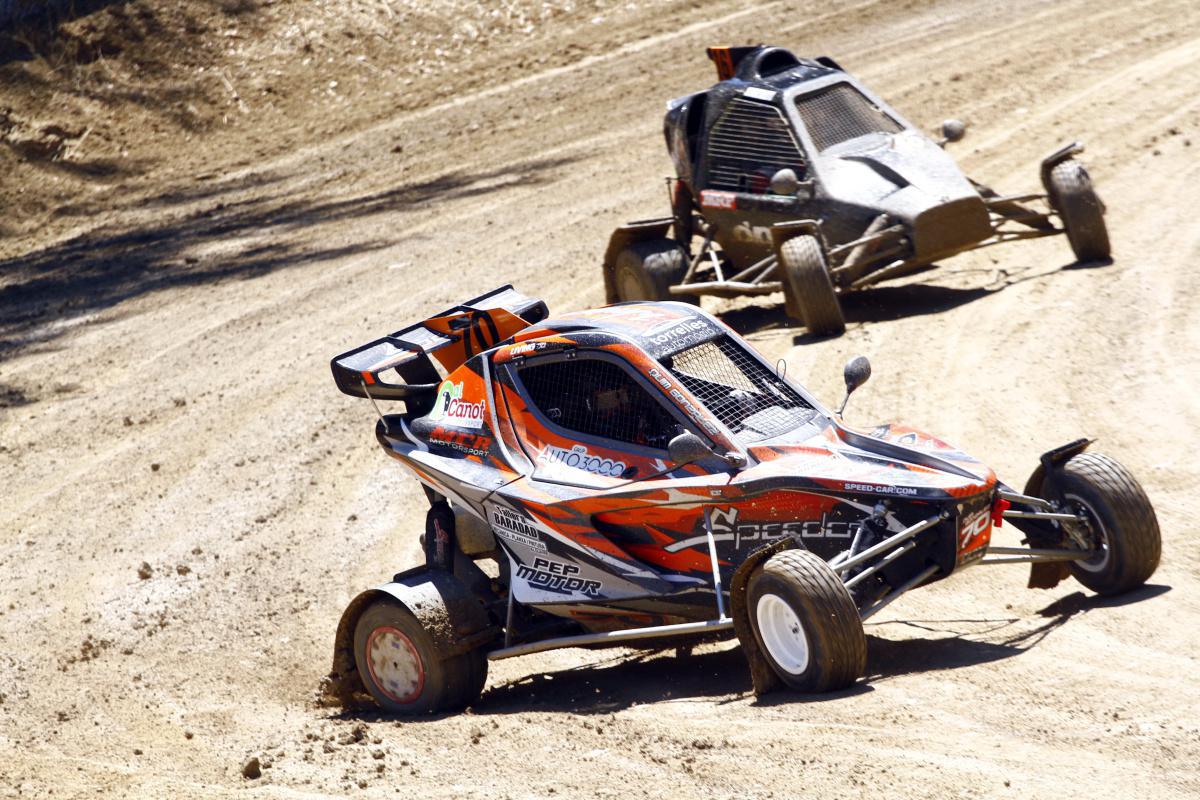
[[1048, 574], [621, 238], [762, 676], [442, 603]]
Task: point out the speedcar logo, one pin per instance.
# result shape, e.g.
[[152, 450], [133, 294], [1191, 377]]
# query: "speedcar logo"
[[725, 527], [556, 576], [451, 409], [725, 200], [578, 457], [726, 521]]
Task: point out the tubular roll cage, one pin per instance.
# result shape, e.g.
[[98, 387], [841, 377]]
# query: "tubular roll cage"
[[876, 557], [879, 253]]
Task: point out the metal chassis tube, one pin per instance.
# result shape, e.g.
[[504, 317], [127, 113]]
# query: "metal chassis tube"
[[843, 565], [611, 637]]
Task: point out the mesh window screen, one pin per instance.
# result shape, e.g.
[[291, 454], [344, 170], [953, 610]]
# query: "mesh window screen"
[[598, 398], [749, 144], [746, 396], [840, 113]]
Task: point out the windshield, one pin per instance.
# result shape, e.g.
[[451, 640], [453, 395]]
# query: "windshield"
[[839, 113], [748, 398]]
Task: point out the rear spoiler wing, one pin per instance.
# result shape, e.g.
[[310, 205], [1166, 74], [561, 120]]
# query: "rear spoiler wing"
[[451, 337]]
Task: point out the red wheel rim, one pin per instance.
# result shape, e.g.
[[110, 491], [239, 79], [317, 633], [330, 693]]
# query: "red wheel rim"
[[395, 665]]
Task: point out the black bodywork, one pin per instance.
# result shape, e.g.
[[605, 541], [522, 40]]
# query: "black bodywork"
[[882, 197]]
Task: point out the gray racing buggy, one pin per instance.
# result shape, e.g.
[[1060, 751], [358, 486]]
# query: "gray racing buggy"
[[795, 177]]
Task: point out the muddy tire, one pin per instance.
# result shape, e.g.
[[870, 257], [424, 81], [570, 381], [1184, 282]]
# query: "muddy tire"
[[805, 623], [1121, 522], [807, 287], [1082, 213], [404, 668], [647, 270]]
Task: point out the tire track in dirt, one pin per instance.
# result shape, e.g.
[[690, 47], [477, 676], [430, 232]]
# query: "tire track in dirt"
[[965, 693]]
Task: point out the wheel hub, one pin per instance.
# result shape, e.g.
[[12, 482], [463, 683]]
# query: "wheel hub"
[[1096, 534], [782, 633], [395, 665]]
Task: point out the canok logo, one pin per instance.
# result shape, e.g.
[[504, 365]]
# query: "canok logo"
[[451, 409]]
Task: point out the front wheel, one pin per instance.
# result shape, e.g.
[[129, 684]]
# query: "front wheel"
[[806, 623], [807, 287], [1120, 524], [405, 669], [1082, 213]]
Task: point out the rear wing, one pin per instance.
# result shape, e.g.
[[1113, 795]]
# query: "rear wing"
[[451, 337]]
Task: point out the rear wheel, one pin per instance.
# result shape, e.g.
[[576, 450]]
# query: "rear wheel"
[[647, 271], [406, 670], [1120, 522], [807, 287], [806, 623], [1082, 212]]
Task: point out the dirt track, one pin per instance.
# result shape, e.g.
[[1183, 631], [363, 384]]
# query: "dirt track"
[[168, 401]]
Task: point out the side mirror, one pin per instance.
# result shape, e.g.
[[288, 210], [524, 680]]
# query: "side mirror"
[[687, 448], [953, 130], [856, 372], [784, 182]]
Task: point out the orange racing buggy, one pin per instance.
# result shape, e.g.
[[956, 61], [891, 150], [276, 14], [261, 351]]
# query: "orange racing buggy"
[[638, 474]]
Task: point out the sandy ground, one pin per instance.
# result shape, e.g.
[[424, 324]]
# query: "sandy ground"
[[167, 402]]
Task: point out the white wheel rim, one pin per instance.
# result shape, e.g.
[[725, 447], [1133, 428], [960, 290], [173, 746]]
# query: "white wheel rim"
[[782, 633], [395, 666], [1098, 563]]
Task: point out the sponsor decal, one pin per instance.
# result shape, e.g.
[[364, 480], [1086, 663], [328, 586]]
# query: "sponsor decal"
[[745, 232], [973, 530], [555, 576], [466, 443], [880, 489], [578, 457], [726, 527], [527, 348], [515, 528], [724, 200], [451, 409], [680, 334], [697, 415]]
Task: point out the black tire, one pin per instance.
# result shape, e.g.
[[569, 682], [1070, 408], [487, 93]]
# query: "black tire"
[[807, 287], [1081, 211], [441, 681], [830, 631], [1121, 521], [647, 270]]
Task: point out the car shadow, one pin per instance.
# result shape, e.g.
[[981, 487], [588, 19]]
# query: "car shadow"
[[891, 302], [621, 681], [984, 640], [625, 679], [879, 304]]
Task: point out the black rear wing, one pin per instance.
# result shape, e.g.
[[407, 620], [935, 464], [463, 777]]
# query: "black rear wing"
[[450, 337]]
